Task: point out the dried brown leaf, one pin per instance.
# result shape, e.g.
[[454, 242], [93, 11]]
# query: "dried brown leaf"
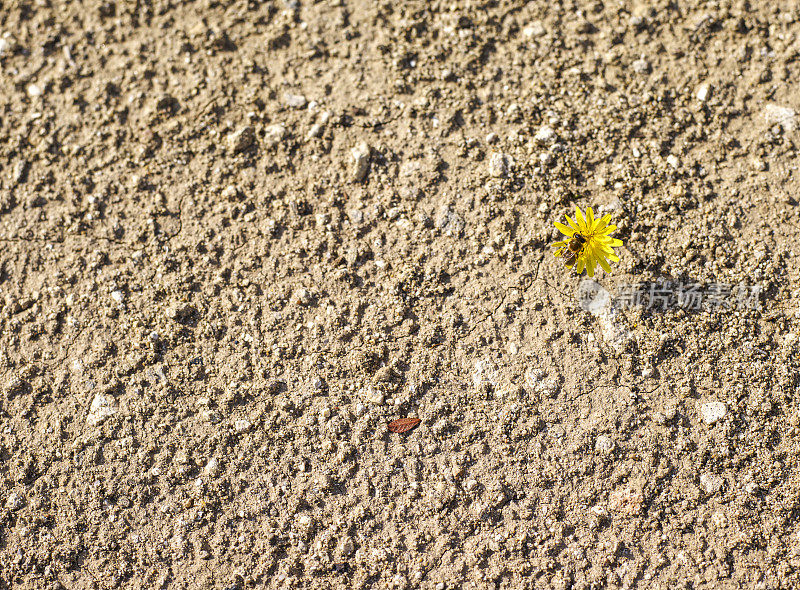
[[403, 424]]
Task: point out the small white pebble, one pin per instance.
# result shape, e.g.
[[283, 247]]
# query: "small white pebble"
[[295, 101], [316, 130], [500, 164], [604, 444], [641, 66], [212, 468], [376, 397], [703, 92], [535, 29], [711, 482], [713, 412], [14, 501], [545, 136], [361, 156], [242, 425]]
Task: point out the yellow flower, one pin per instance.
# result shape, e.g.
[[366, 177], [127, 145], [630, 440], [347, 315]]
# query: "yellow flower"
[[589, 244]]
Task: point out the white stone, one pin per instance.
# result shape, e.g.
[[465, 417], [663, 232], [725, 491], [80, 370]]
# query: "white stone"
[[673, 161], [535, 29], [713, 412], [14, 501], [485, 373], [315, 131], [303, 296], [34, 90], [534, 377], [719, 520], [274, 134], [450, 222], [374, 396], [102, 407], [240, 140], [242, 425], [545, 136], [212, 468], [118, 296], [703, 92], [361, 155], [603, 444], [296, 101], [641, 66], [711, 483], [500, 164]]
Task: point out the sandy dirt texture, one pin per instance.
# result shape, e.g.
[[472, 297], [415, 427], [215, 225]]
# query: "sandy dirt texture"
[[238, 238]]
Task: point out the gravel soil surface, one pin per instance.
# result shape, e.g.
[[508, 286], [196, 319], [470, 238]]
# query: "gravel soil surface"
[[239, 238]]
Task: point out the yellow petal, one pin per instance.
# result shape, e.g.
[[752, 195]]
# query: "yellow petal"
[[579, 268], [615, 243], [580, 219], [590, 266], [605, 248], [601, 223], [592, 251], [566, 230], [572, 224], [613, 257], [607, 230], [589, 217], [560, 244], [604, 263]]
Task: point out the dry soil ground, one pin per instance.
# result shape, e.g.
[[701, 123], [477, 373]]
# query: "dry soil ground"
[[239, 237]]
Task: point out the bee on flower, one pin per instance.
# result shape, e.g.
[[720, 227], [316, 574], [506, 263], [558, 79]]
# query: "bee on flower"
[[589, 244]]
